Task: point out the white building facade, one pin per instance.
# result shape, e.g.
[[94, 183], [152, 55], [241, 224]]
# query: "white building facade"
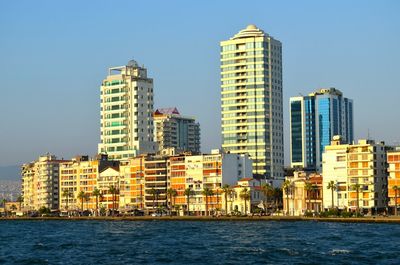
[[127, 112]]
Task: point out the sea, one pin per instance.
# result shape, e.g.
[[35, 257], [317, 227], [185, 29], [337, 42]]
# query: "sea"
[[197, 242]]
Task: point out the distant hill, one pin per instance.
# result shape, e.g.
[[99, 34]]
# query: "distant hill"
[[10, 173]]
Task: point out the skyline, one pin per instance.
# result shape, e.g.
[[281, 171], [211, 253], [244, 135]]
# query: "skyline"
[[73, 128]]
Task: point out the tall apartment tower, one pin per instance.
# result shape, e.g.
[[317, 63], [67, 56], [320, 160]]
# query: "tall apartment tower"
[[251, 98], [172, 130], [314, 120], [126, 112]]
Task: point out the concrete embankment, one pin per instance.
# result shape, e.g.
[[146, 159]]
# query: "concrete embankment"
[[217, 219]]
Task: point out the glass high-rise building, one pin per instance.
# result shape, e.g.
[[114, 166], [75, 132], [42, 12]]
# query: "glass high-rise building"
[[314, 120], [126, 121], [251, 99]]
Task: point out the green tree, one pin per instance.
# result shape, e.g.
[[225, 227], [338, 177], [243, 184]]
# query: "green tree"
[[266, 189], [245, 195], [20, 200], [171, 193], [396, 189], [188, 193], [113, 191], [309, 188], [226, 190], [81, 196], [315, 191], [96, 192], [357, 187], [332, 187], [44, 210], [287, 186], [153, 192], [207, 192], [67, 194]]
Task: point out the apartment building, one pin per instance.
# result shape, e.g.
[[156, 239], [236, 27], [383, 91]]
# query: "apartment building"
[[359, 174], [40, 183], [172, 130]]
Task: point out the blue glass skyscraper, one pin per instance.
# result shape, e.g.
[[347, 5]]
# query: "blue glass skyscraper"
[[314, 120]]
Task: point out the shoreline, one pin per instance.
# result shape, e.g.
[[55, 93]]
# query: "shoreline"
[[215, 219]]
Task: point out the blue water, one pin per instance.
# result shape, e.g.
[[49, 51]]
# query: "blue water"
[[175, 242]]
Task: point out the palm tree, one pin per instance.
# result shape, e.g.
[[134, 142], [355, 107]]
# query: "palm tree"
[[266, 189], [217, 193], [315, 191], [81, 196], [171, 193], [3, 201], [87, 199], [308, 187], [287, 186], [188, 192], [245, 195], [395, 188], [20, 199], [114, 191], [207, 192], [226, 190], [67, 194], [278, 197], [357, 187], [153, 192], [332, 187], [96, 192]]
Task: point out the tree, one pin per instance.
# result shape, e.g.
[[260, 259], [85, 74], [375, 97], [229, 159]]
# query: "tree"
[[67, 194], [357, 187], [20, 199], [207, 192], [266, 189], [278, 197], [188, 193], [226, 190], [114, 191], [217, 193], [308, 187], [315, 191], [153, 192], [395, 188], [287, 186], [87, 199], [96, 192], [3, 202], [245, 195], [332, 187], [171, 193], [81, 196]]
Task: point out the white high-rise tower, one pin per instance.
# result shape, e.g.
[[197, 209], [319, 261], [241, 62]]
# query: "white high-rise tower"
[[127, 112], [251, 99]]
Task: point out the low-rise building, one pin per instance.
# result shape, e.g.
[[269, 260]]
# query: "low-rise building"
[[246, 197], [302, 192]]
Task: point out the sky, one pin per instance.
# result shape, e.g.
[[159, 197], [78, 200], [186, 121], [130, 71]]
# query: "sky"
[[54, 55]]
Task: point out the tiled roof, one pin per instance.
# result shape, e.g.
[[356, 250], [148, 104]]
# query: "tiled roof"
[[167, 111]]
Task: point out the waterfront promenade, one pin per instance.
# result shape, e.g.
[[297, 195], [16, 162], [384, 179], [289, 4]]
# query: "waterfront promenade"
[[391, 219]]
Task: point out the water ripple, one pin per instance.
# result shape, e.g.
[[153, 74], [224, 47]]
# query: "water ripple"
[[99, 242]]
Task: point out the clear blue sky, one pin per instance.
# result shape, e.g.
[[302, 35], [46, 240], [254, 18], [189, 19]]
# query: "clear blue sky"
[[54, 54]]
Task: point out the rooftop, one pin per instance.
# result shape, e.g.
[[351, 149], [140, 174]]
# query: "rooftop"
[[250, 31], [169, 111]]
